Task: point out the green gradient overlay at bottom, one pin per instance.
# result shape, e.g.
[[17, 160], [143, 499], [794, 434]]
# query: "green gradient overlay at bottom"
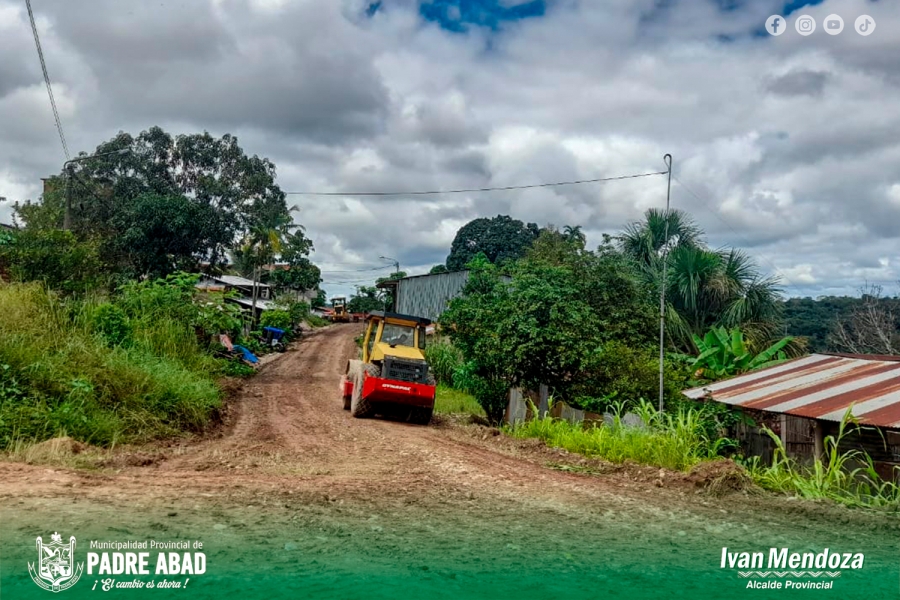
[[353, 556]]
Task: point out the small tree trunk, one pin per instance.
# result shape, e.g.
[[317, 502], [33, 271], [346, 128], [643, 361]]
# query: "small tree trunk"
[[255, 293]]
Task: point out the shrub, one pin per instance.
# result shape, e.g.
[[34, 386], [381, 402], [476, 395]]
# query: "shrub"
[[444, 359], [615, 371], [236, 368], [56, 258], [492, 394], [316, 321], [214, 315], [111, 323], [276, 318]]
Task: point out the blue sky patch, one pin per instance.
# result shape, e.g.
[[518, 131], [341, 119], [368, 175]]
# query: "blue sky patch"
[[458, 15], [793, 6]]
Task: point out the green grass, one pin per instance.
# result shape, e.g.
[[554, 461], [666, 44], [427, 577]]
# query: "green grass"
[[674, 441], [444, 359], [451, 401], [316, 321], [57, 374]]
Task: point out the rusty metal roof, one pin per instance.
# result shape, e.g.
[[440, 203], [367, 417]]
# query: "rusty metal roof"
[[818, 386]]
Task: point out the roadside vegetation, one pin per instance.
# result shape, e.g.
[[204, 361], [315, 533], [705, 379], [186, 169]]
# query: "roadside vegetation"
[[104, 336], [450, 401], [585, 324], [847, 477], [104, 372], [675, 440]]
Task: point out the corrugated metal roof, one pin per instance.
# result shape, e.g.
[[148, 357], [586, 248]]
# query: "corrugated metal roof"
[[248, 302], [238, 281], [818, 386]]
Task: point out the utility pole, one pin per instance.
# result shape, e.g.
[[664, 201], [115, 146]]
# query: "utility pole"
[[69, 171], [662, 286]]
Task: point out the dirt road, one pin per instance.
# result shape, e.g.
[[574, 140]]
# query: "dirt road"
[[291, 466]]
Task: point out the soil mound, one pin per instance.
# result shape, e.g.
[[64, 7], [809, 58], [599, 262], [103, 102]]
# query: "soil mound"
[[720, 477]]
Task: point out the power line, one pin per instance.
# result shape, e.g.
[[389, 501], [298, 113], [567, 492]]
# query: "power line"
[[471, 190], [37, 43], [733, 230]]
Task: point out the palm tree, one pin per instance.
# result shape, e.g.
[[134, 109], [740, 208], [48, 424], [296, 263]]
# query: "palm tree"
[[705, 288], [264, 240], [645, 240], [574, 234]]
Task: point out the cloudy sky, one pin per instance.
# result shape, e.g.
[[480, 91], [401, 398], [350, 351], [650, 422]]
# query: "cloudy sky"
[[787, 146]]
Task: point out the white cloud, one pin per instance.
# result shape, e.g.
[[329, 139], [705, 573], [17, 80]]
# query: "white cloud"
[[790, 143]]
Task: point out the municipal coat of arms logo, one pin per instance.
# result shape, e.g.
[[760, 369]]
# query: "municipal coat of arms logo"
[[55, 569]]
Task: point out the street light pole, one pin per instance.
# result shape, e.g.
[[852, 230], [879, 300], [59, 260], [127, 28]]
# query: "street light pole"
[[393, 260], [662, 286], [396, 272], [70, 173]]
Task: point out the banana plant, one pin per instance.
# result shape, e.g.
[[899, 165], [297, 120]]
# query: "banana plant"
[[724, 353]]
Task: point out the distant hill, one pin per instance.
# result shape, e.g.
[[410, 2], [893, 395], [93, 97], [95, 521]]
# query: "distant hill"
[[815, 318]]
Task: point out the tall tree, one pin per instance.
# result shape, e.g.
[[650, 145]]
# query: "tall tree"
[[214, 188], [300, 275], [645, 240], [264, 240], [500, 239]]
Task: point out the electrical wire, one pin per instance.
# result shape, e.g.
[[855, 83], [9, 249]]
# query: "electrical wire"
[[484, 189], [37, 43]]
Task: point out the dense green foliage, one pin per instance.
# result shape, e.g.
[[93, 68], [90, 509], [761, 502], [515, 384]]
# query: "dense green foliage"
[[163, 203], [444, 359], [871, 320], [501, 239], [367, 298], [104, 372], [280, 319], [723, 353], [578, 321], [814, 319], [300, 275], [56, 258]]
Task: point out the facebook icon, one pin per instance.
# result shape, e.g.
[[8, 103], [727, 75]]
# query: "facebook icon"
[[775, 25]]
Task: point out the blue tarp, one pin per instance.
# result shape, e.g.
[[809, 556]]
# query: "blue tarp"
[[274, 333], [248, 356]]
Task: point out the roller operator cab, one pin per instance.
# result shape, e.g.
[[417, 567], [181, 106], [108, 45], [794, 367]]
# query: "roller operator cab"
[[392, 379]]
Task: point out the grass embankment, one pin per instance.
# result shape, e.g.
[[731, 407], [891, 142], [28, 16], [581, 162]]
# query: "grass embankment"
[[679, 441], [676, 441], [99, 372], [451, 401]]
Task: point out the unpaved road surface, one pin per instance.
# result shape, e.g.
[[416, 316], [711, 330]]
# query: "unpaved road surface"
[[290, 470]]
